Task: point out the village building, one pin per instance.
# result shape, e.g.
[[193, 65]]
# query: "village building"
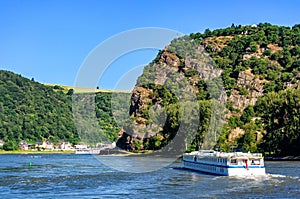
[[81, 145], [2, 143], [44, 145], [23, 145], [64, 146]]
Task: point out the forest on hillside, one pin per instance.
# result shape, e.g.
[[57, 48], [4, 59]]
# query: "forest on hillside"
[[34, 112], [272, 53]]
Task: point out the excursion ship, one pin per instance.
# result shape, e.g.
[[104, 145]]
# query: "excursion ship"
[[227, 164]]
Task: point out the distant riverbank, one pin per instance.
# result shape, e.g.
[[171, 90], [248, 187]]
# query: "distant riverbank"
[[287, 158], [38, 152]]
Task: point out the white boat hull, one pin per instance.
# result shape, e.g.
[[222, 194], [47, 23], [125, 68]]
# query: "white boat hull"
[[225, 170]]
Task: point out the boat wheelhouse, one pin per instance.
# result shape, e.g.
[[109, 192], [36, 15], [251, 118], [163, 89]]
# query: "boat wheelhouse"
[[227, 164]]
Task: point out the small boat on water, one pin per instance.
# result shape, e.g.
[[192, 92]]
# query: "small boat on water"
[[93, 151], [227, 164]]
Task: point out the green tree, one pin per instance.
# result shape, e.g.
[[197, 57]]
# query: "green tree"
[[248, 114], [10, 146], [295, 51], [280, 116], [70, 92], [286, 61], [253, 46]]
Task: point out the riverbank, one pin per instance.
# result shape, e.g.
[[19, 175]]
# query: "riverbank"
[[37, 152], [287, 158]]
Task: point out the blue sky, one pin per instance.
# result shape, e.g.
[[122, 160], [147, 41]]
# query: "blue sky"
[[49, 39]]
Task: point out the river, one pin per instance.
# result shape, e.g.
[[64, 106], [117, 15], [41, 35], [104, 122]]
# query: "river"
[[84, 176]]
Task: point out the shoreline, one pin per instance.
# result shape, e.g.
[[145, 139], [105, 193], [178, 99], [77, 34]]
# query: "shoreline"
[[126, 153], [288, 158], [35, 152]]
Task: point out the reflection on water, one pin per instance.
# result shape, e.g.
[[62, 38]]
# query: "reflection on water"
[[83, 176]]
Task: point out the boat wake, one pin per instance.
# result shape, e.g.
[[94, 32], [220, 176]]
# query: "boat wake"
[[282, 176], [276, 175], [267, 176]]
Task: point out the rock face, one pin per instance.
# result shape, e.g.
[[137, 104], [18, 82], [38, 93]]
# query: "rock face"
[[235, 133], [170, 78], [169, 59], [146, 103], [249, 88], [139, 100]]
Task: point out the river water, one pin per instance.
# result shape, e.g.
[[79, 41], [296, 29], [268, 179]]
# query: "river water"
[[84, 176]]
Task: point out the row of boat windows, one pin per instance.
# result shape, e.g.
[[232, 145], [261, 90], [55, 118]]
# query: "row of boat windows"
[[251, 162], [205, 167], [219, 160]]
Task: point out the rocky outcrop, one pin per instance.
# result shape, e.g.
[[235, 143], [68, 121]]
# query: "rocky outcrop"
[[248, 89], [235, 133], [171, 75], [169, 59]]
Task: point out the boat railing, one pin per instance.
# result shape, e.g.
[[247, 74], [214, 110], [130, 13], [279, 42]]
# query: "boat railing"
[[210, 153], [258, 155]]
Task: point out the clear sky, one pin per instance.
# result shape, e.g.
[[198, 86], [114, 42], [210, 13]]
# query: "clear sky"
[[49, 39]]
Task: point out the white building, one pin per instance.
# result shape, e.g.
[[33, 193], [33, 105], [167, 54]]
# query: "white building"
[[81, 145]]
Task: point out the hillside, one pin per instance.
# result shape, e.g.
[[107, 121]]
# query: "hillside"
[[258, 67], [33, 112]]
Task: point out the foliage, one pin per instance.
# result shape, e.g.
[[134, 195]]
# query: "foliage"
[[248, 114], [280, 115], [272, 54], [248, 40], [33, 112], [10, 146]]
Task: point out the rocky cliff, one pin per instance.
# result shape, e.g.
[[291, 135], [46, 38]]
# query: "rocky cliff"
[[235, 66], [248, 89]]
